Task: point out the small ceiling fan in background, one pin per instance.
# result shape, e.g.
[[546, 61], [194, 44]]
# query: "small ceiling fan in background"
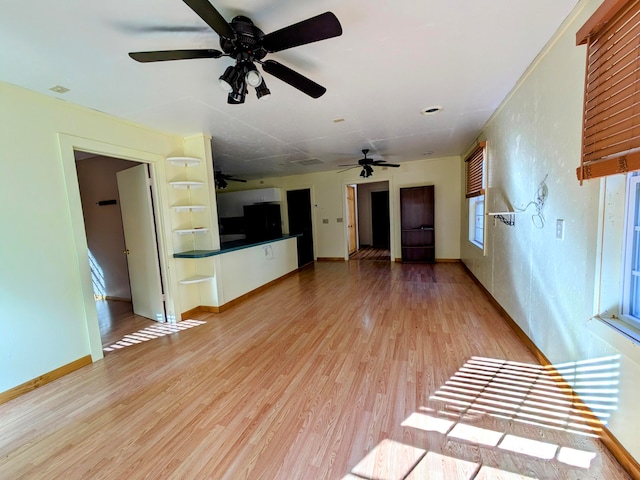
[[367, 165], [221, 179], [248, 45]]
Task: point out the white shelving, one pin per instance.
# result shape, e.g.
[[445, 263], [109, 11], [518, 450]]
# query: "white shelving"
[[188, 205], [188, 231], [195, 279], [183, 184], [184, 161], [186, 208]]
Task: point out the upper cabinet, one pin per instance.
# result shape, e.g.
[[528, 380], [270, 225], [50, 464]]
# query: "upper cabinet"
[[231, 204]]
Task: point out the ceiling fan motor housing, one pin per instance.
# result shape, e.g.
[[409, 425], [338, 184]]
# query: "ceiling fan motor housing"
[[247, 41]]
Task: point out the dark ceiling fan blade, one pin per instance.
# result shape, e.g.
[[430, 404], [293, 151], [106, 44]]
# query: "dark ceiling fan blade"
[[293, 78], [383, 163], [164, 55], [314, 29], [231, 179], [350, 168], [211, 17]]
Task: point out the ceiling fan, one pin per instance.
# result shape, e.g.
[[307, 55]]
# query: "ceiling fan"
[[221, 180], [367, 165], [247, 44]]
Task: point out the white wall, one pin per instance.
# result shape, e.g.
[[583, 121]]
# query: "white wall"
[[329, 200], [549, 286], [43, 300]]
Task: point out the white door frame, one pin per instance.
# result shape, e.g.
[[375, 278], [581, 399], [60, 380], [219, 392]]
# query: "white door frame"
[[69, 143]]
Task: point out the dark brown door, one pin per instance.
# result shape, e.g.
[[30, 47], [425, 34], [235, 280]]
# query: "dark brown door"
[[299, 216], [417, 224], [380, 237]]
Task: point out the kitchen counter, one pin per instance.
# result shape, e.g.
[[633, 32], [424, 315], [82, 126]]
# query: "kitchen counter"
[[232, 246]]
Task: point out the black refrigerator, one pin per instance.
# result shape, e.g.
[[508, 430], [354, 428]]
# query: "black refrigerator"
[[262, 221]]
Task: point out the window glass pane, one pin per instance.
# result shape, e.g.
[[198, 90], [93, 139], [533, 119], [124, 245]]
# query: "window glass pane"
[[476, 220], [634, 306]]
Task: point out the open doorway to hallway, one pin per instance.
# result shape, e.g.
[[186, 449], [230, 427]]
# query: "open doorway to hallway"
[[121, 308], [368, 221]]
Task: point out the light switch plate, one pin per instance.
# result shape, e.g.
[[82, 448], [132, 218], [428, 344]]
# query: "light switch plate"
[[560, 229]]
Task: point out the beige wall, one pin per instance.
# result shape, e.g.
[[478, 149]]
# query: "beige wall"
[[46, 314], [329, 200], [547, 285]]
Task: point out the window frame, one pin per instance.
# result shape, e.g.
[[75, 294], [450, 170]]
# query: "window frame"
[[473, 217], [632, 211]]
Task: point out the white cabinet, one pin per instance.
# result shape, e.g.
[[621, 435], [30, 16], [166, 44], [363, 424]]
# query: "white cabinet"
[[230, 204]]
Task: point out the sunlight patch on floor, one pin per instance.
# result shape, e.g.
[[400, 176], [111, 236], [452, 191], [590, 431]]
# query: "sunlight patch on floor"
[[149, 333]]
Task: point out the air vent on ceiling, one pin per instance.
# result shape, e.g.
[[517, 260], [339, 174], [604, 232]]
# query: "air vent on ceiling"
[[309, 161]]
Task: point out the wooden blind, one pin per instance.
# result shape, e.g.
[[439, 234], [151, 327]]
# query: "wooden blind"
[[611, 122], [475, 165]]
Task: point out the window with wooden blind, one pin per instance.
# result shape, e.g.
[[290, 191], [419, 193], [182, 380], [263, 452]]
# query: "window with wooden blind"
[[475, 193], [611, 122], [475, 167]]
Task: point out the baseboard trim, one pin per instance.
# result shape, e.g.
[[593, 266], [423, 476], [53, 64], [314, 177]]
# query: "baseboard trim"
[[26, 387], [608, 439], [330, 259], [438, 260], [212, 309]]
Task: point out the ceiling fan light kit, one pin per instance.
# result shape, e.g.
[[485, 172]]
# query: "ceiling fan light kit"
[[367, 165], [247, 45], [221, 180]]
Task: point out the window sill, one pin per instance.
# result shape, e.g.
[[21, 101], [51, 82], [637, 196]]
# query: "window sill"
[[612, 331], [477, 245], [623, 327]]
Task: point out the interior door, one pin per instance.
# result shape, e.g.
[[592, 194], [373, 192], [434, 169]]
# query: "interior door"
[[300, 222], [380, 230], [141, 242], [351, 219]]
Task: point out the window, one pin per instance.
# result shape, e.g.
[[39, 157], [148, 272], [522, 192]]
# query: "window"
[[611, 123], [631, 279], [475, 194], [476, 220]]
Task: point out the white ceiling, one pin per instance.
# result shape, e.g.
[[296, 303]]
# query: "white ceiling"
[[393, 59]]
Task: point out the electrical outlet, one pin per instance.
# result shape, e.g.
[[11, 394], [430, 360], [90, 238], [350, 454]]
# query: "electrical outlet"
[[325, 220], [339, 220], [560, 229]]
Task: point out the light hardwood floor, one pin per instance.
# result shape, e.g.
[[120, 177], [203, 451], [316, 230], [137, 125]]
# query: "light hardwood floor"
[[116, 319], [356, 370]]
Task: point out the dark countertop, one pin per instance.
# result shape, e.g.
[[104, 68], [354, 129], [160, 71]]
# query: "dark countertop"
[[226, 247]]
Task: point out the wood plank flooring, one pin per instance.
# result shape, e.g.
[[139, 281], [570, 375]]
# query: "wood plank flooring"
[[355, 370], [371, 253], [116, 319]]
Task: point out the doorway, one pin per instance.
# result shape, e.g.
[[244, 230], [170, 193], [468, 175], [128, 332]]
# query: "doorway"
[[108, 186], [373, 221], [352, 220], [380, 227], [300, 223]]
